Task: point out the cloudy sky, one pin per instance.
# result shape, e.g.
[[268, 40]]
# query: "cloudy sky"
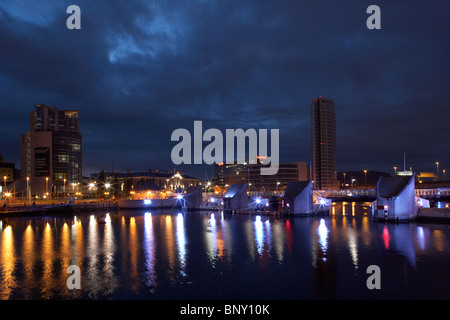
[[137, 70]]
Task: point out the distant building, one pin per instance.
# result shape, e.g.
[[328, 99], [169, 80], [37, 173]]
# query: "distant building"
[[228, 174], [7, 176], [7, 171], [323, 136], [132, 183], [51, 152]]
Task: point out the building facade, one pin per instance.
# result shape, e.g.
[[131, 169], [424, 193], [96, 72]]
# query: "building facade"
[[228, 174], [51, 153], [7, 176], [323, 136]]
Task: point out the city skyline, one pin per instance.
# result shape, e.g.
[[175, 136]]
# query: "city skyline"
[[137, 71]]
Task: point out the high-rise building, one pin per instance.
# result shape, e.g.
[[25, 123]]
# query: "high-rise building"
[[51, 160], [323, 135]]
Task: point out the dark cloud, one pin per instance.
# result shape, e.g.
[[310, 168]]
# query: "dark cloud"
[[140, 69]]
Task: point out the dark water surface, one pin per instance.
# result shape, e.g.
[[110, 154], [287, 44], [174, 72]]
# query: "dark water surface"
[[210, 255]]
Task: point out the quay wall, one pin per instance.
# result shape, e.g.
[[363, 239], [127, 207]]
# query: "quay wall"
[[433, 214]]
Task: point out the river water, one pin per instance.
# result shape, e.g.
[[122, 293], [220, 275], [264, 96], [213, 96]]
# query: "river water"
[[210, 255]]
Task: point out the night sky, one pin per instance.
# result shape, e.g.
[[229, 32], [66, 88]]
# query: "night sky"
[[137, 70]]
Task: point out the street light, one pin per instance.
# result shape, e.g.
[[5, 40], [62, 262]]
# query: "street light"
[[28, 180], [46, 186], [365, 178], [4, 179], [443, 171], [64, 188], [437, 171], [395, 171]]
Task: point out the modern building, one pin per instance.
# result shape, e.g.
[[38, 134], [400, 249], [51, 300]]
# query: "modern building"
[[228, 174], [323, 136], [51, 153]]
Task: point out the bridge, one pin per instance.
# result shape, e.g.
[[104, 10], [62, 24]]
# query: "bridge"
[[438, 193]]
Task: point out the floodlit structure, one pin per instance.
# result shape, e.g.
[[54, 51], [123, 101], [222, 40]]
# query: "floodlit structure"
[[395, 199], [298, 198], [193, 197], [236, 197]]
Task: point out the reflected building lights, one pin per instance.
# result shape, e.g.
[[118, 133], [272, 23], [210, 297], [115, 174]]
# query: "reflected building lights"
[[149, 250], [250, 235], [420, 238], [7, 260], [322, 231], [181, 240], [28, 257], [259, 234], [278, 239], [109, 248], [47, 254], [171, 246], [386, 237], [438, 239], [133, 250], [94, 279], [353, 246]]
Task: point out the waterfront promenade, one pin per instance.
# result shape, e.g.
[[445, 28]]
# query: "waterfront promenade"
[[61, 206]]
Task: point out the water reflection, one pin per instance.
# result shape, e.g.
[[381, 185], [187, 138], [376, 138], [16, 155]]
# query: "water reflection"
[[8, 281], [154, 255], [181, 241], [215, 238], [322, 231]]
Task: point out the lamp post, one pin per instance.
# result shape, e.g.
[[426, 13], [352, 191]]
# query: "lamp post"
[[107, 186], [28, 181], [344, 179], [64, 188], [365, 178], [443, 171], [437, 170], [278, 183], [395, 171], [4, 180], [46, 186]]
